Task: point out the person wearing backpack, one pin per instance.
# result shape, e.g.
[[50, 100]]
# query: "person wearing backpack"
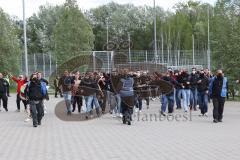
[[35, 93], [3, 91], [46, 97]]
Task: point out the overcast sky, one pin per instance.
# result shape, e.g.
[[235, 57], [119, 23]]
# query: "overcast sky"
[[14, 7]]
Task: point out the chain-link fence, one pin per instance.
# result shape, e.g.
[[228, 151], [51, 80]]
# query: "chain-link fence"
[[107, 61]]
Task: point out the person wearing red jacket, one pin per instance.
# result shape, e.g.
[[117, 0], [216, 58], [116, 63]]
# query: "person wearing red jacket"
[[20, 82]]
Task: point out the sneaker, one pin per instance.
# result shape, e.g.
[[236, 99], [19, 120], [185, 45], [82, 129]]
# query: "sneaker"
[[27, 119], [153, 99], [120, 115], [39, 123], [162, 113], [136, 110], [6, 109], [205, 115], [140, 111], [34, 125], [215, 121], [220, 120]]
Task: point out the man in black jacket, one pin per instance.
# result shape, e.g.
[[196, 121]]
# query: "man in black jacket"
[[194, 92], [168, 99], [35, 95], [202, 86], [3, 92]]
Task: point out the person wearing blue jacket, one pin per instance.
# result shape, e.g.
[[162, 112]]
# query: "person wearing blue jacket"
[[218, 89]]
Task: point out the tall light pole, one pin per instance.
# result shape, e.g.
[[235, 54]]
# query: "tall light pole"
[[208, 50], [155, 32], [25, 39], [129, 48], [107, 32]]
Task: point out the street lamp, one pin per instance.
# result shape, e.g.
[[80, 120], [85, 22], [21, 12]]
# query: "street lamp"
[[25, 39], [155, 32]]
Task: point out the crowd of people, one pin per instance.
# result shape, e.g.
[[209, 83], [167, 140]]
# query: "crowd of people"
[[120, 92]]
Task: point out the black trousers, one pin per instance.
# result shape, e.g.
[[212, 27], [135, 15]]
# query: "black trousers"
[[127, 104], [57, 89], [79, 101], [18, 102], [8, 93], [4, 98], [37, 111], [218, 107]]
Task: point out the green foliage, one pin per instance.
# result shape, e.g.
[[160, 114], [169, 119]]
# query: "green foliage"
[[9, 44], [72, 33]]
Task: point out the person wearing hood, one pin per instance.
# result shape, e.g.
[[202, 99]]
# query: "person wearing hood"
[[218, 89]]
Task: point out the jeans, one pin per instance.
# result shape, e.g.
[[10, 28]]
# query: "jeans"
[[178, 100], [183, 94], [203, 101], [194, 98], [92, 99], [138, 102], [37, 111], [188, 95], [67, 97], [118, 104], [167, 100]]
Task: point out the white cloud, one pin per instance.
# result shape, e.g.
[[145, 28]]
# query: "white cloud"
[[14, 7]]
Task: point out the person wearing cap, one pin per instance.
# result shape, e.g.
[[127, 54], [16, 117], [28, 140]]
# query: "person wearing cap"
[[20, 82]]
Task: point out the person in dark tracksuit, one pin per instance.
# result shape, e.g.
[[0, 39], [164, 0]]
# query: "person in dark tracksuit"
[[218, 89], [202, 87], [35, 92], [3, 92]]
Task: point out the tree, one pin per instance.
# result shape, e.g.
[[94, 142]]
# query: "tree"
[[9, 44], [72, 33]]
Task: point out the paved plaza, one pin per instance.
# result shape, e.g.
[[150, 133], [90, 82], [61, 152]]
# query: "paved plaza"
[[105, 138]]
